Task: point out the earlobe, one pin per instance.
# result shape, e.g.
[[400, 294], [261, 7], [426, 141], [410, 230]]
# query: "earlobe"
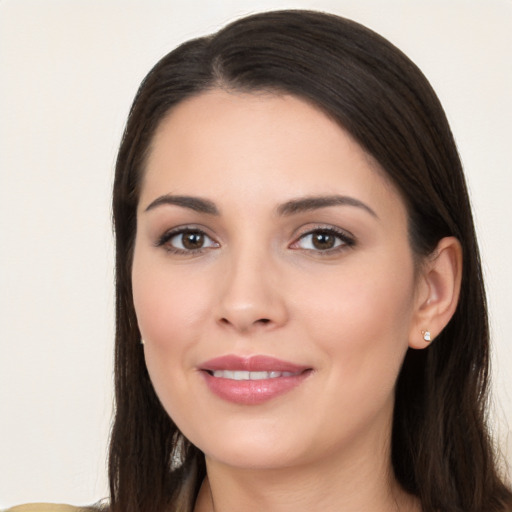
[[439, 288]]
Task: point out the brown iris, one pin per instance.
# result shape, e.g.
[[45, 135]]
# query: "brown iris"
[[192, 240], [323, 241]]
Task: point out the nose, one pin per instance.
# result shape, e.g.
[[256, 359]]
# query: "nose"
[[251, 295]]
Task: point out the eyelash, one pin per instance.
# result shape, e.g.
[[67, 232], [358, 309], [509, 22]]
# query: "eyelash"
[[164, 240], [347, 240]]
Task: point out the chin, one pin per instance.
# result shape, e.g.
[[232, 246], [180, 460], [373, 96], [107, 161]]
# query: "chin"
[[250, 457], [256, 446]]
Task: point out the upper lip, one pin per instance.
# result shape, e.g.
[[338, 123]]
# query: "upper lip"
[[257, 363]]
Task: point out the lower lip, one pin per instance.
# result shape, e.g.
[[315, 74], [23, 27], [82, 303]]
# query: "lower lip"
[[252, 392]]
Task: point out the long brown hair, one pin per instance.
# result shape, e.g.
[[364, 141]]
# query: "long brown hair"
[[441, 451]]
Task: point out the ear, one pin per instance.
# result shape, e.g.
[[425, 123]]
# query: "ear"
[[437, 293]]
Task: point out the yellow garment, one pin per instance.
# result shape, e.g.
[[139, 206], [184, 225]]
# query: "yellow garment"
[[49, 507]]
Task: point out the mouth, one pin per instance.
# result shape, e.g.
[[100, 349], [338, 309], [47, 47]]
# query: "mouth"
[[245, 375], [253, 380]]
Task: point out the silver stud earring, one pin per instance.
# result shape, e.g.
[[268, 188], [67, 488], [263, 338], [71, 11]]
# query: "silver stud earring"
[[142, 342], [426, 336]]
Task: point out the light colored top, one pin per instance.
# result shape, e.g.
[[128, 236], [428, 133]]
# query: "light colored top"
[[49, 507]]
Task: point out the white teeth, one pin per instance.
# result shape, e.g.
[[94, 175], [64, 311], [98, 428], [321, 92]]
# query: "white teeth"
[[244, 375], [258, 375]]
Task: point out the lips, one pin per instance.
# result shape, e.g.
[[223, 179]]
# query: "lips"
[[252, 380]]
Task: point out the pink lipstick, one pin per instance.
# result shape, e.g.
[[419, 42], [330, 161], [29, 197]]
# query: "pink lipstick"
[[251, 380]]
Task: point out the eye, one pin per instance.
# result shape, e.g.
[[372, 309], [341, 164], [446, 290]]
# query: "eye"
[[186, 241], [323, 240]]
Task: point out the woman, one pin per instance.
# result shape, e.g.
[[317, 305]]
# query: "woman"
[[301, 319], [276, 307]]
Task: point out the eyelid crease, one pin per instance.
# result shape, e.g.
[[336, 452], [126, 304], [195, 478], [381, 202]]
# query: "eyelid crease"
[[314, 227]]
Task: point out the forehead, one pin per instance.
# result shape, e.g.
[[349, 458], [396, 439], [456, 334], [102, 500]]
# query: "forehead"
[[256, 116], [257, 145]]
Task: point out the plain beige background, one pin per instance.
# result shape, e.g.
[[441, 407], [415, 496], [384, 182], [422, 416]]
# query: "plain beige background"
[[68, 72]]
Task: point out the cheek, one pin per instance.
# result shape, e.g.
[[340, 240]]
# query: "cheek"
[[168, 303], [361, 318], [171, 308]]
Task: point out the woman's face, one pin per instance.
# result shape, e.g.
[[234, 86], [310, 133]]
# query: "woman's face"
[[273, 281]]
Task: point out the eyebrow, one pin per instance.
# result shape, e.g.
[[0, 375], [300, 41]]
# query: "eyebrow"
[[291, 207], [316, 202], [193, 203]]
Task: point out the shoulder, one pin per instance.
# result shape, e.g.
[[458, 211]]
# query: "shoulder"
[[50, 507]]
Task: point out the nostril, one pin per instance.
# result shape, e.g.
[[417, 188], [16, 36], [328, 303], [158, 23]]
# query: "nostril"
[[244, 323]]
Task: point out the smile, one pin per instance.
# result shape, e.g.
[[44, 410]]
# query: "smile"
[[246, 375], [252, 380]]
